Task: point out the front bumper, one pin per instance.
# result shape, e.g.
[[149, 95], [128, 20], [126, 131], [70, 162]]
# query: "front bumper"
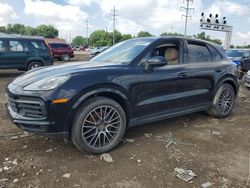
[[28, 124], [49, 120]]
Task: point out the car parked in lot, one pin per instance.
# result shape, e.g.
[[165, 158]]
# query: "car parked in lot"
[[62, 51], [247, 79], [24, 53], [240, 57], [98, 50], [134, 82]]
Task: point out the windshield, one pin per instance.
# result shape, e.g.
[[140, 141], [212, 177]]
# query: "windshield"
[[234, 53], [123, 52]]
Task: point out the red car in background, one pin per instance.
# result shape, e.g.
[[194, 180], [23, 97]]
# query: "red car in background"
[[62, 51]]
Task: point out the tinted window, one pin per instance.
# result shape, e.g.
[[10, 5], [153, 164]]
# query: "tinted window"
[[2, 46], [198, 53], [16, 46], [216, 56], [123, 52], [53, 45], [65, 46], [234, 53], [38, 45]]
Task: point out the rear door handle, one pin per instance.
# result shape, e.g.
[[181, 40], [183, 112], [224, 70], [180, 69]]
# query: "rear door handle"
[[183, 75]]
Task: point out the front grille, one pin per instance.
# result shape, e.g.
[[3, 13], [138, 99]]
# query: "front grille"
[[27, 107]]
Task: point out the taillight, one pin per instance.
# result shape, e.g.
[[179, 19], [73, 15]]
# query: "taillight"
[[50, 50]]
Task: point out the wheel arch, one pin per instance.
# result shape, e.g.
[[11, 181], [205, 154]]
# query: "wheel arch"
[[112, 93], [229, 80], [34, 60]]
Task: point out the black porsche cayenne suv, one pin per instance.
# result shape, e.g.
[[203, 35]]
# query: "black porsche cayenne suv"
[[134, 82]]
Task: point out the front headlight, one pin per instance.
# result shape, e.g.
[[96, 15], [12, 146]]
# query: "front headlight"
[[47, 83]]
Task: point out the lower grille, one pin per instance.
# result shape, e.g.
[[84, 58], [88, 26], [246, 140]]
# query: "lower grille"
[[27, 107]]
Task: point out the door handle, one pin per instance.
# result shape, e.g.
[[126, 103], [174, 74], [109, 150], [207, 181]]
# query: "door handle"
[[183, 75], [218, 70]]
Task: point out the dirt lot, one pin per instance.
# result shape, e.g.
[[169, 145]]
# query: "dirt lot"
[[216, 150]]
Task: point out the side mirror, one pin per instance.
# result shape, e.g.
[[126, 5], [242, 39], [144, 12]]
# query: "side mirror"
[[156, 61]]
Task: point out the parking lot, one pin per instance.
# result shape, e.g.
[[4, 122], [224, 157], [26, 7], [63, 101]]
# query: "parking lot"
[[216, 150]]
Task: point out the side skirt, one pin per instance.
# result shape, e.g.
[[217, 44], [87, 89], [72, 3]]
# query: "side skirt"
[[167, 114]]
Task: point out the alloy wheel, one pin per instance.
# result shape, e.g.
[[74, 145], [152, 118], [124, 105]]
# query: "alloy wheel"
[[101, 126], [226, 101], [34, 66]]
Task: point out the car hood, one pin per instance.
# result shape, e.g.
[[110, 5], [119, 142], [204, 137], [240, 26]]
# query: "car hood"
[[235, 59], [58, 70]]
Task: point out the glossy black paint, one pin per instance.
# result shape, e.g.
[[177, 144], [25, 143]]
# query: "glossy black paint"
[[164, 92]]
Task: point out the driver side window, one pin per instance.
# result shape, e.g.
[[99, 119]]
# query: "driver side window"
[[170, 51]]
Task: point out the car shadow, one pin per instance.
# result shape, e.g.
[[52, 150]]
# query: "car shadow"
[[10, 74]]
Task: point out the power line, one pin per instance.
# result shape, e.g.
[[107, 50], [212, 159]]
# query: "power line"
[[87, 30], [114, 14], [187, 15]]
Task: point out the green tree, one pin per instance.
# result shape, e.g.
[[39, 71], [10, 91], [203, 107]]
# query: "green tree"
[[18, 29], [47, 31], [244, 46], [171, 34], [144, 34], [30, 31], [203, 36], [118, 37], [79, 41], [2, 29], [126, 36], [99, 38]]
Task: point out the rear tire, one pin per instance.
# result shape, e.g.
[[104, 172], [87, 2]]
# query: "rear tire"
[[34, 65], [65, 57], [223, 102], [99, 125]]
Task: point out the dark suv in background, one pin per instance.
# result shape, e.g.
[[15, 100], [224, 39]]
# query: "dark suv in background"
[[240, 57], [62, 51], [24, 53]]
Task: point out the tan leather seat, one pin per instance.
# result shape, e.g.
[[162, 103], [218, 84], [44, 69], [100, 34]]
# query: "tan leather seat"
[[171, 55]]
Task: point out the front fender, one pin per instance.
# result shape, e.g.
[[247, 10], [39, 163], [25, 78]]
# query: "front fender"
[[87, 95]]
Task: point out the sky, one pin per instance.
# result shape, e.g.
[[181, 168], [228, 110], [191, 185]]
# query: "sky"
[[155, 16]]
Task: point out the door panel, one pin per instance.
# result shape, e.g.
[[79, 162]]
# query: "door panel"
[[16, 54], [3, 54], [169, 89]]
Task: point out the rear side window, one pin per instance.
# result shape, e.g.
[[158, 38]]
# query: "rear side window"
[[2, 46], [16, 46], [216, 56], [53, 45], [38, 45], [198, 53], [63, 45]]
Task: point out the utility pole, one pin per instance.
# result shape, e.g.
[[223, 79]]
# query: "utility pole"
[[87, 29], [114, 14], [187, 15]]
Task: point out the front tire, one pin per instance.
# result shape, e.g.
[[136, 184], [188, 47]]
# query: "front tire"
[[99, 125], [223, 102]]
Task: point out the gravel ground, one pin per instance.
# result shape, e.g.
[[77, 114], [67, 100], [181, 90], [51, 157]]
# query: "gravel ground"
[[216, 150]]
